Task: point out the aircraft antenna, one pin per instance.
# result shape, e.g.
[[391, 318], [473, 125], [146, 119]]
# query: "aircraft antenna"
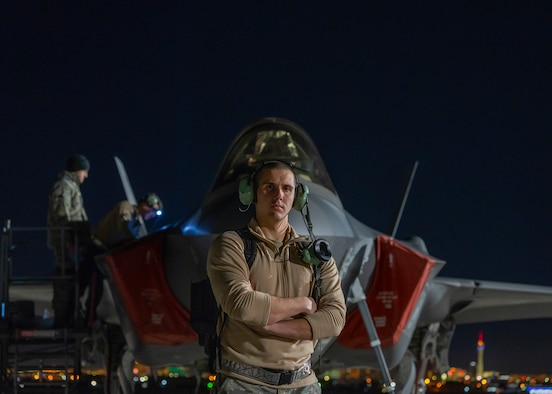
[[405, 197]]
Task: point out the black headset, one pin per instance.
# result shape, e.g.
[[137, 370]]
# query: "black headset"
[[316, 252], [247, 188]]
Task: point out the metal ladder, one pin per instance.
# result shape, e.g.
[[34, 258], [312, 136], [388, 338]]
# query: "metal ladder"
[[34, 356]]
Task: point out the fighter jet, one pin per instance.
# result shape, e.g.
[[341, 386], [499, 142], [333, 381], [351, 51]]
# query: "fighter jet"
[[401, 315]]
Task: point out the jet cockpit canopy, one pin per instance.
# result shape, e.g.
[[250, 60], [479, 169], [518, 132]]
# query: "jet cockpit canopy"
[[273, 139]]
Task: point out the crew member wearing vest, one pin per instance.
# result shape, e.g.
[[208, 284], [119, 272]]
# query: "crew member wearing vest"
[[68, 236], [270, 322]]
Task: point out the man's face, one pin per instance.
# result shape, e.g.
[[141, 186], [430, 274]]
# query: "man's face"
[[275, 194], [82, 175]]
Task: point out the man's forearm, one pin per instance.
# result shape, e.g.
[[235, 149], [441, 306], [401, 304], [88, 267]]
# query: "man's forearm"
[[286, 308], [298, 329]]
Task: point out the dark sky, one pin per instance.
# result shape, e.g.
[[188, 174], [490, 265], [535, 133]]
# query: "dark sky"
[[464, 87]]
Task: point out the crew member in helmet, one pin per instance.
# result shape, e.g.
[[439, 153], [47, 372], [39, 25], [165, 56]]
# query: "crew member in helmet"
[[68, 235], [126, 221]]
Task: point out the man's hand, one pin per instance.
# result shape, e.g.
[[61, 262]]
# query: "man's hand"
[[311, 306]]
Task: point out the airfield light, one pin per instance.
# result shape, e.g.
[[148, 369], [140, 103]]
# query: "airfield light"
[[210, 385]]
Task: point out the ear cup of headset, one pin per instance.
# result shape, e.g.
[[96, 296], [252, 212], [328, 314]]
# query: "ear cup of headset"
[[301, 197], [246, 192]]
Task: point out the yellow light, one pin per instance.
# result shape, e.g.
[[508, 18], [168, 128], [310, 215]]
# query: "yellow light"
[[326, 378], [427, 381], [50, 377]]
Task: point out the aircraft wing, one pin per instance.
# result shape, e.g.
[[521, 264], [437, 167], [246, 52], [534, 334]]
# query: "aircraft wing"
[[474, 301]]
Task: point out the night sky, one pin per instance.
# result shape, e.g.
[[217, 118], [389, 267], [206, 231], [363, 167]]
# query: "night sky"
[[465, 88]]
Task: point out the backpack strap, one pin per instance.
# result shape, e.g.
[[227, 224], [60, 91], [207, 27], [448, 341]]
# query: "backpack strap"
[[249, 245], [317, 283]]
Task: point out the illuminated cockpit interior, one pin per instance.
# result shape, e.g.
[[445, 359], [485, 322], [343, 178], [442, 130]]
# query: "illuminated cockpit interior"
[[273, 139]]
